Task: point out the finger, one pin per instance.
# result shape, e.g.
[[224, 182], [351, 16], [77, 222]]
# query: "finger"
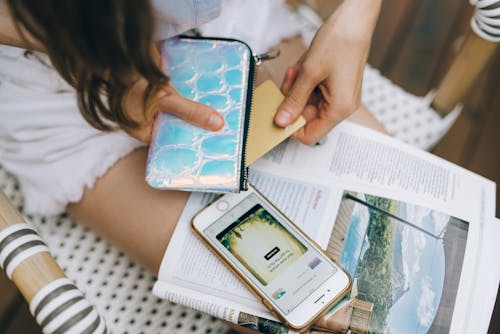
[[328, 117], [192, 112], [316, 129], [296, 99], [312, 132], [290, 77], [310, 112]]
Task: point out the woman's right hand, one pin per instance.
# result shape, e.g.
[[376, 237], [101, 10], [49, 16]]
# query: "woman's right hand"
[[325, 85], [168, 100]]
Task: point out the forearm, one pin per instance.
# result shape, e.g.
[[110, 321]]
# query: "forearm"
[[358, 17], [9, 33], [369, 12]]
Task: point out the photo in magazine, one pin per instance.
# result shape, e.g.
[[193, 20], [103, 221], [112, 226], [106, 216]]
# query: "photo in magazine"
[[405, 261]]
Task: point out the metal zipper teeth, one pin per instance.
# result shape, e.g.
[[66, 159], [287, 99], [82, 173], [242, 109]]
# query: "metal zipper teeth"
[[246, 123]]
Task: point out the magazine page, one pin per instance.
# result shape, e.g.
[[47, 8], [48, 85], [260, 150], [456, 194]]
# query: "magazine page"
[[487, 279], [422, 218], [408, 226], [364, 159]]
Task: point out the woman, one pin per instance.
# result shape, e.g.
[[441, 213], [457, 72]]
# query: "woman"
[[104, 50]]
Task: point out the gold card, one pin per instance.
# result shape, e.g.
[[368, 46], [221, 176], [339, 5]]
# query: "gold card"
[[263, 134]]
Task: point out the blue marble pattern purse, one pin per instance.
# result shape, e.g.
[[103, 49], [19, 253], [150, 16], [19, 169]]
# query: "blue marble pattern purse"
[[219, 73]]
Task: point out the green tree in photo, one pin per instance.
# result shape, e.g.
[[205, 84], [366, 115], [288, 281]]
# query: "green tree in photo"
[[374, 271]]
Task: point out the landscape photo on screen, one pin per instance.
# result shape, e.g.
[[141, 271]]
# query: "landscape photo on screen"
[[405, 261]]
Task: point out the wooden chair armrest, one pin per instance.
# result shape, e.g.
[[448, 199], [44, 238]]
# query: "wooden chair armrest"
[[463, 72], [479, 47], [56, 303]]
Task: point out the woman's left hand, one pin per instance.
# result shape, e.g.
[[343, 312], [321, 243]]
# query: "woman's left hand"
[[166, 99]]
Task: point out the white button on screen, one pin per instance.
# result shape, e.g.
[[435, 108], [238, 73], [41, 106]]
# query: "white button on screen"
[[222, 205]]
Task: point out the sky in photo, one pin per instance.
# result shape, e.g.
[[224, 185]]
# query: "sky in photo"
[[423, 267]]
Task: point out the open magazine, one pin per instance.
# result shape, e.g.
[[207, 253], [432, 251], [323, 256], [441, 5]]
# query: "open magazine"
[[416, 233]]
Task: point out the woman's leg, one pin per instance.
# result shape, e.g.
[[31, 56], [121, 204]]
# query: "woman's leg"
[[125, 210]]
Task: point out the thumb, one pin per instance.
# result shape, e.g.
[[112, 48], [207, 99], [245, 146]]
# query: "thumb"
[[192, 112], [296, 100]]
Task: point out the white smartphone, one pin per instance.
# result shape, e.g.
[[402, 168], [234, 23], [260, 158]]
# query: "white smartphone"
[[290, 273]]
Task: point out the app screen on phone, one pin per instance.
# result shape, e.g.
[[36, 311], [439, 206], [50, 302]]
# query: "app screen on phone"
[[279, 261]]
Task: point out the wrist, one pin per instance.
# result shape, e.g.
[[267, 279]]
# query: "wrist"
[[355, 20]]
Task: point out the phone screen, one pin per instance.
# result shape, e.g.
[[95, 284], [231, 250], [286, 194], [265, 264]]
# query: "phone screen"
[[263, 245]]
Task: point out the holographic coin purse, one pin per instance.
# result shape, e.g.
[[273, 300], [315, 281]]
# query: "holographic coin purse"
[[218, 73]]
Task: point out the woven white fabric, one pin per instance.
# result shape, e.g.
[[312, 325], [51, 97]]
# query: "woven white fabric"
[[405, 116]]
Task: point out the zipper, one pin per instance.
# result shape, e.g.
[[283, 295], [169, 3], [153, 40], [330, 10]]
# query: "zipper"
[[255, 60], [246, 122], [266, 56]]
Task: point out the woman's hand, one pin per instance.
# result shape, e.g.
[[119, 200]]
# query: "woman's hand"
[[325, 85], [166, 100]]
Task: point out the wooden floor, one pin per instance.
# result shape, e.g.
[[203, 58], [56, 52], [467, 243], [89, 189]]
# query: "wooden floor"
[[413, 44]]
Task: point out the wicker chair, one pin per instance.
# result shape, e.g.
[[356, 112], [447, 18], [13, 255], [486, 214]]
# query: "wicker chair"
[[119, 289]]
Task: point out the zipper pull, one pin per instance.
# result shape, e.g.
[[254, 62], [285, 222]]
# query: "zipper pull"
[[266, 56]]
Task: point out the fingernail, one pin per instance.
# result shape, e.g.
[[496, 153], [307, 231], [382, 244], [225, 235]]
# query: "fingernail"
[[283, 117], [215, 122]]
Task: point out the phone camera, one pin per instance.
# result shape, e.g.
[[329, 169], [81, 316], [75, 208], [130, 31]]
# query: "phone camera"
[[222, 205]]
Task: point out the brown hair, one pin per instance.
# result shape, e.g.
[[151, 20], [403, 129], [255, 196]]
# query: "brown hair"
[[98, 47]]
